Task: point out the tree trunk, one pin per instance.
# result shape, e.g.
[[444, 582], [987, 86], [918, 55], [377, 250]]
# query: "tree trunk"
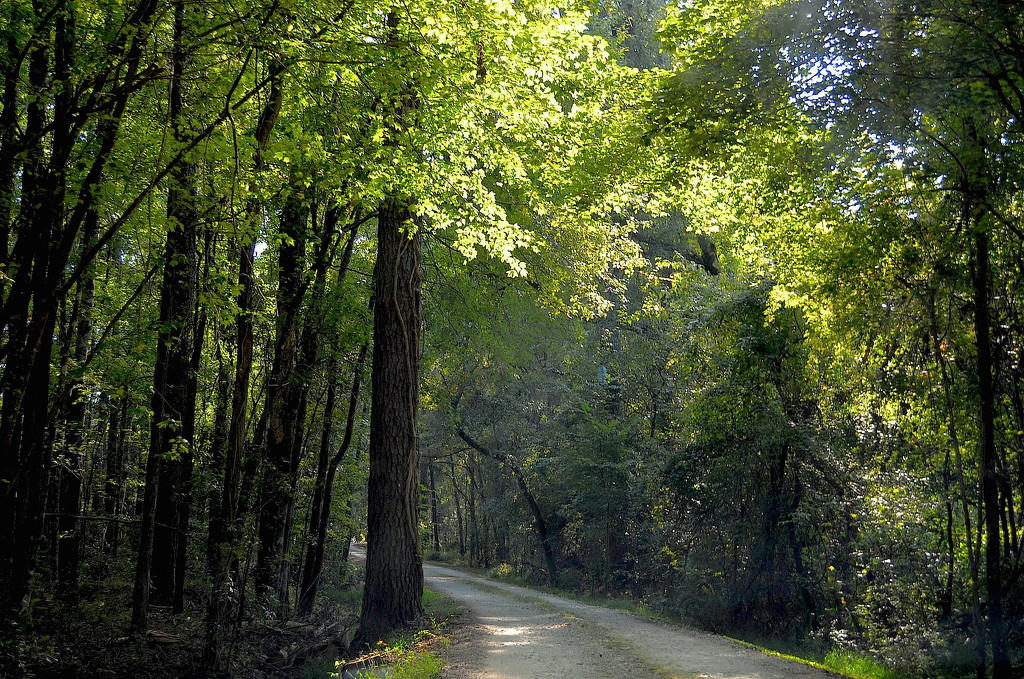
[[394, 564], [311, 564], [219, 443], [474, 529], [1001, 668], [114, 482], [538, 517], [435, 521], [321, 510], [69, 537], [460, 533], [172, 430], [283, 394]]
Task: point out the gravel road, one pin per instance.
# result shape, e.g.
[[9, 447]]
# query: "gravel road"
[[518, 633]]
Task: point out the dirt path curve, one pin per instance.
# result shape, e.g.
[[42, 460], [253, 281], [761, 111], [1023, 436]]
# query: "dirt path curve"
[[518, 633]]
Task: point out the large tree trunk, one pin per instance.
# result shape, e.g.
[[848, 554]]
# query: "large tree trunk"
[[394, 564]]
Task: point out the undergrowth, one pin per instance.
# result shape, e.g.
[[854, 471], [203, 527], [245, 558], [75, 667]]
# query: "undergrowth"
[[410, 654]]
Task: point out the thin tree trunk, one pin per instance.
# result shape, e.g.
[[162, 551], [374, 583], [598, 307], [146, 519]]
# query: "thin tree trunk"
[[282, 402], [460, 534], [224, 607], [218, 444], [1001, 668], [114, 483], [538, 517], [310, 572], [321, 511], [172, 429], [69, 537], [474, 529], [435, 522], [954, 437]]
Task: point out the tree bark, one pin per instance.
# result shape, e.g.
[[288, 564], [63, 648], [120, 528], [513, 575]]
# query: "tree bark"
[[394, 564]]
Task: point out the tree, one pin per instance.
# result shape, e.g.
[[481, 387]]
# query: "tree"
[[164, 532], [394, 575], [445, 127], [225, 511]]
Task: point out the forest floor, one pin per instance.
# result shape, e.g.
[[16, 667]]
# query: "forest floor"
[[512, 632]]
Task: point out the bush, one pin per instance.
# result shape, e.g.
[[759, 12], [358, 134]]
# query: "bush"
[[502, 571]]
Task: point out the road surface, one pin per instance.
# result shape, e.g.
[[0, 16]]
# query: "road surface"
[[518, 633]]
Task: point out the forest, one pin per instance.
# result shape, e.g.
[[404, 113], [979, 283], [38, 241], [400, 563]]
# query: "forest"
[[712, 305]]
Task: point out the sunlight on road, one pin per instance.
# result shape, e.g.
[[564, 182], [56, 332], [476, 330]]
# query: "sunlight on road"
[[507, 631]]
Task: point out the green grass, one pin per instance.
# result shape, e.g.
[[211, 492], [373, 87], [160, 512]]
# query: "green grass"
[[352, 596], [319, 668], [410, 654], [439, 607], [858, 666], [417, 665], [841, 662]]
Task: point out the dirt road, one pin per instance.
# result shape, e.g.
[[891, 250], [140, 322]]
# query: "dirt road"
[[518, 633]]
